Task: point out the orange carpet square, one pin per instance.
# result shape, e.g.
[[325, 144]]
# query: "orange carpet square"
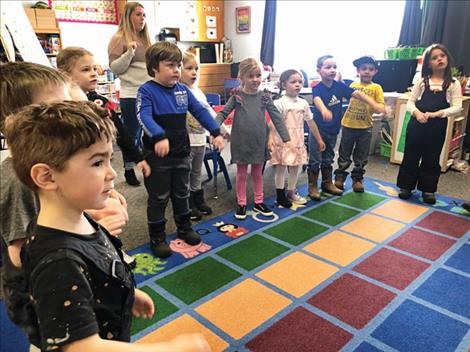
[[401, 211], [340, 248], [185, 325], [373, 227], [297, 273], [243, 308]]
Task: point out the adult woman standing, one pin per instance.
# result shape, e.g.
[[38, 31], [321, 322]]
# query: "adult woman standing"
[[126, 51]]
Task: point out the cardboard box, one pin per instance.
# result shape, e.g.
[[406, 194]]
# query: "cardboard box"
[[31, 16], [45, 18]]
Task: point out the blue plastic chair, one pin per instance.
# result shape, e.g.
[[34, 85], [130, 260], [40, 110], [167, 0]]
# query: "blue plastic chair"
[[213, 99], [229, 85], [219, 166]]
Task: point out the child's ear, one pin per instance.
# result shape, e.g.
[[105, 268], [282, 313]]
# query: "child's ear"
[[43, 176]]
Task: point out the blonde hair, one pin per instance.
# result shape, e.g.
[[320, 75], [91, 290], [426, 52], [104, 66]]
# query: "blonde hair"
[[188, 56], [68, 57], [53, 133], [20, 82], [126, 29], [246, 66]]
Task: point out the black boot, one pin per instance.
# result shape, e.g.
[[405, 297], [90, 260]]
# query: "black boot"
[[158, 243], [195, 213], [200, 203], [185, 230], [131, 178], [282, 199]]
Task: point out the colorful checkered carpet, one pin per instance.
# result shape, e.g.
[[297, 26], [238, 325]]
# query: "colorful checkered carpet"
[[361, 272]]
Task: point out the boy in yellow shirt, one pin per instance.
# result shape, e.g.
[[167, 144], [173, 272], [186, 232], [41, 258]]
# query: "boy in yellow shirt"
[[357, 123]]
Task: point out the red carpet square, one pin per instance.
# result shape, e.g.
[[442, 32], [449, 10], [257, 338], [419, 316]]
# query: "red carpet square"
[[391, 268], [300, 331], [445, 223], [352, 300], [422, 243]]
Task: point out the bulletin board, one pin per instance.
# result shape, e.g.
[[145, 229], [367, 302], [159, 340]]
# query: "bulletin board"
[[89, 11]]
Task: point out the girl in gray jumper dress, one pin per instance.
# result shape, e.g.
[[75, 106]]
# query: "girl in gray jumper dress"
[[250, 132]]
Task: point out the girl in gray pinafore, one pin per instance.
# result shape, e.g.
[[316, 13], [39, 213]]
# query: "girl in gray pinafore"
[[250, 132]]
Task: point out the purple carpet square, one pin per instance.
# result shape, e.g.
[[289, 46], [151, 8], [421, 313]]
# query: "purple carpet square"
[[413, 327]]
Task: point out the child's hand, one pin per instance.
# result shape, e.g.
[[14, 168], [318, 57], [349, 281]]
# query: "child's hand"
[[162, 148], [143, 305], [421, 117], [327, 115], [132, 46], [321, 145], [270, 142], [118, 196], [144, 167], [113, 224], [218, 142], [189, 343], [113, 207]]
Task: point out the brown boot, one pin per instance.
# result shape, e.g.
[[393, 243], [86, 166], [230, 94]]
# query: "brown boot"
[[313, 191], [339, 182], [327, 183], [357, 185]]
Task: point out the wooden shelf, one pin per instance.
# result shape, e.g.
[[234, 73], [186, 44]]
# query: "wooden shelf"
[[47, 30]]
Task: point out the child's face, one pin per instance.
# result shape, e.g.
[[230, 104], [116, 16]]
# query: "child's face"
[[366, 72], [52, 94], [85, 73], [438, 60], [92, 164], [293, 85], [328, 70], [189, 73], [252, 81], [168, 73]]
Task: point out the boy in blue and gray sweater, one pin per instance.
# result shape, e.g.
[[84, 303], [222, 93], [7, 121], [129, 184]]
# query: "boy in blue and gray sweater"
[[162, 104]]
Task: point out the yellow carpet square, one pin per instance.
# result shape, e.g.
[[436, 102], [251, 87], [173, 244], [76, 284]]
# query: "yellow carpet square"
[[297, 273], [185, 325], [401, 211], [373, 227], [243, 308], [339, 247]]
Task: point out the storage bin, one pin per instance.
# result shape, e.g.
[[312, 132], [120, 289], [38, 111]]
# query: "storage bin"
[[385, 150]]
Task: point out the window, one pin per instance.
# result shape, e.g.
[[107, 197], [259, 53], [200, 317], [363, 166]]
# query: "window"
[[306, 30]]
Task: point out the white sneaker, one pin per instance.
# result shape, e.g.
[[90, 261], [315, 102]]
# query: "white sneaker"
[[296, 198]]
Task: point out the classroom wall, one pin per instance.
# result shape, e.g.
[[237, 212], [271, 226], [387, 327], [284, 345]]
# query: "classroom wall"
[[244, 44]]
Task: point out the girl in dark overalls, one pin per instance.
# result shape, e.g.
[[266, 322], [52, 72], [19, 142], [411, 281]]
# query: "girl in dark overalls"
[[434, 97]]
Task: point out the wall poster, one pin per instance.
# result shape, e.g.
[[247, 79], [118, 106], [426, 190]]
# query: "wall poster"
[[89, 11]]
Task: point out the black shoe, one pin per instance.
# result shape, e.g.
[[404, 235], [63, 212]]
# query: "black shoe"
[[189, 236], [160, 249], [241, 212], [129, 260], [281, 198], [429, 198], [466, 206], [195, 213], [200, 203], [263, 209], [131, 178], [404, 193]]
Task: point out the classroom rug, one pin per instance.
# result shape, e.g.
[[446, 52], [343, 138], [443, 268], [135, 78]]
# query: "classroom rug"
[[359, 272]]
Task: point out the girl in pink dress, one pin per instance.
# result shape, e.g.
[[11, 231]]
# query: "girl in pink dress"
[[294, 111]]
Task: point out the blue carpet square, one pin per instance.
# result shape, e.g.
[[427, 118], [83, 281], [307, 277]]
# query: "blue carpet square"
[[461, 259], [366, 347], [447, 290], [413, 327]]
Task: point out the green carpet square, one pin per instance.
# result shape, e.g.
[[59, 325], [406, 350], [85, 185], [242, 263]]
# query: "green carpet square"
[[252, 252], [331, 214], [163, 308], [198, 280], [296, 231], [360, 200]]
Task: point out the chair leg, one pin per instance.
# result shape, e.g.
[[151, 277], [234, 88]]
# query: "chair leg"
[[223, 168], [216, 167], [208, 170]]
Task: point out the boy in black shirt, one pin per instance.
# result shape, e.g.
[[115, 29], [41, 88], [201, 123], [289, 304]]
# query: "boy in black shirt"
[[83, 300]]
